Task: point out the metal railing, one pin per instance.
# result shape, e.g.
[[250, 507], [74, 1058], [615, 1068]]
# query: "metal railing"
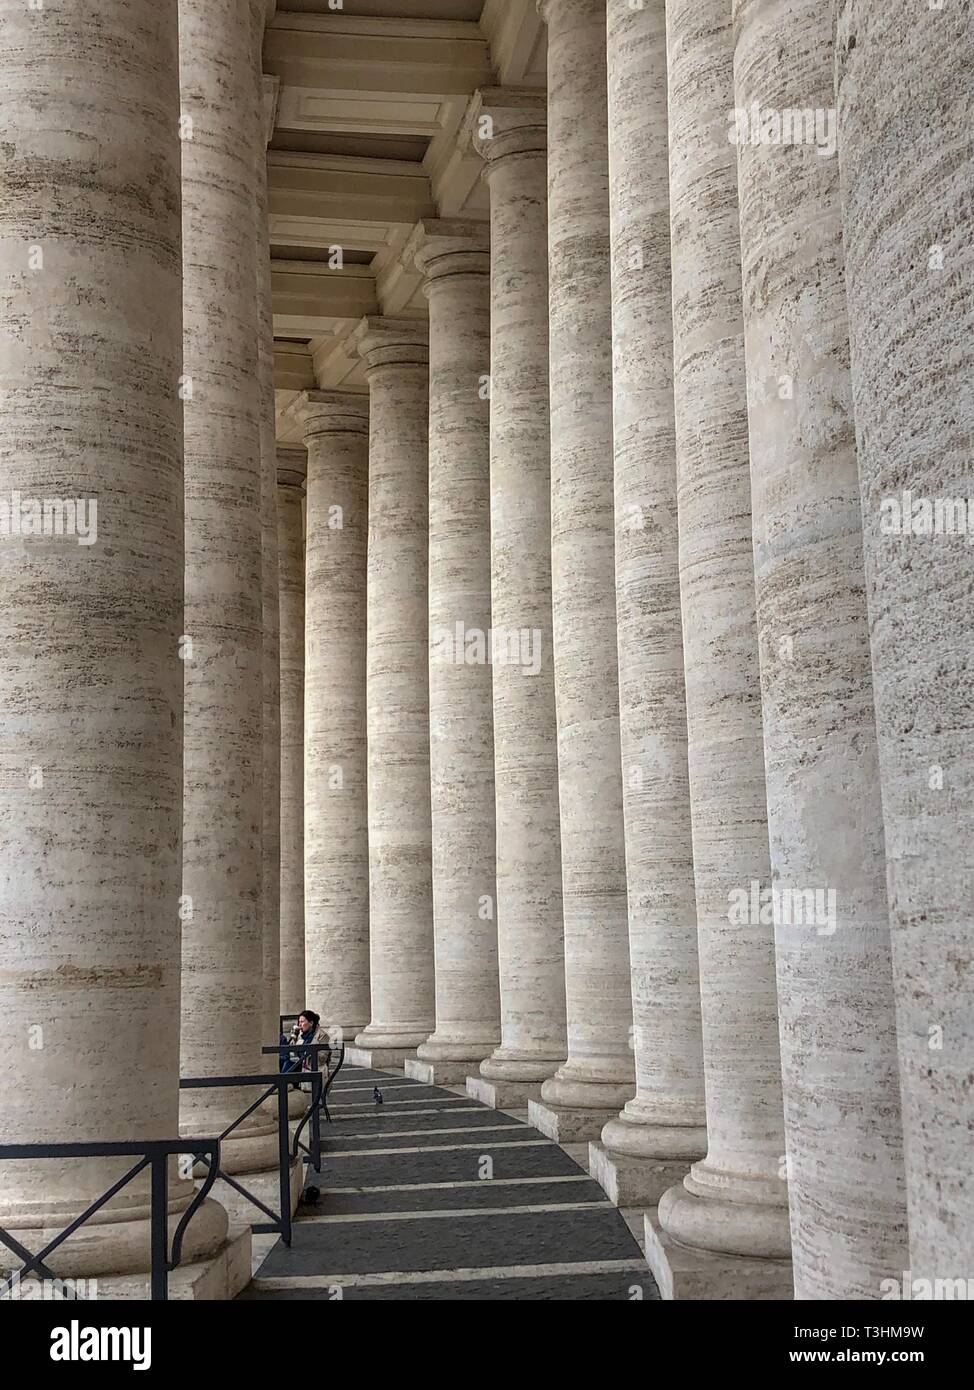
[[313, 1113], [153, 1154], [277, 1223]]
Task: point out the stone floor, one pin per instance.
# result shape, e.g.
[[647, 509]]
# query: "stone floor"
[[433, 1196]]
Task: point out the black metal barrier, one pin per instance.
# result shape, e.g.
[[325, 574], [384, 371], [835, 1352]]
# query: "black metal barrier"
[[313, 1113], [153, 1154], [278, 1223]]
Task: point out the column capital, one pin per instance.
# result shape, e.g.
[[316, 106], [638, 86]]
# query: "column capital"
[[505, 121], [442, 248], [292, 467], [332, 412], [384, 342]]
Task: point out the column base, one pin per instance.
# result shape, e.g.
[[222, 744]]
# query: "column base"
[[378, 1058], [217, 1279], [503, 1095], [518, 1064], [443, 1073], [568, 1125], [119, 1248], [580, 1086], [684, 1274], [705, 1213], [266, 1186], [633, 1182]]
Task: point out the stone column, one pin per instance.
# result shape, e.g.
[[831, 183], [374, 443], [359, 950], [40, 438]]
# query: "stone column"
[[664, 1128], [734, 1203], [292, 469], [455, 260], [599, 1075], [222, 1002], [509, 130], [336, 842], [91, 616], [267, 90], [907, 166], [843, 1134], [396, 356]]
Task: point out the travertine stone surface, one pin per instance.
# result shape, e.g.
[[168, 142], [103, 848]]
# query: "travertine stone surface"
[[687, 1275], [455, 260], [838, 1034], [91, 681], [271, 781], [396, 355], [905, 120], [222, 921], [336, 838], [510, 133], [599, 1072], [666, 1120], [736, 1200], [292, 470]]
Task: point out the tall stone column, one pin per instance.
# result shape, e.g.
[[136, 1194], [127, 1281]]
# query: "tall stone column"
[[664, 1128], [267, 91], [222, 1023], [292, 469], [843, 1133], [598, 1076], [91, 616], [455, 260], [733, 1203], [905, 121], [509, 131], [336, 839], [396, 356]]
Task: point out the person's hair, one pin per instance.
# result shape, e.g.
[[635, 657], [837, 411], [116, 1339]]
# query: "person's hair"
[[313, 1018]]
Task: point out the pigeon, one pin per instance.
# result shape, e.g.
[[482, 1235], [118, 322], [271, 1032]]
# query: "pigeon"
[[376, 1095]]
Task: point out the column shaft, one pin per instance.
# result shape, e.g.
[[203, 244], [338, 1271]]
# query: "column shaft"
[[222, 920], [396, 354], [664, 1126], [599, 1074], [336, 844], [907, 165], [455, 260], [292, 467], [736, 1200], [91, 616], [838, 1035], [510, 132], [271, 677]]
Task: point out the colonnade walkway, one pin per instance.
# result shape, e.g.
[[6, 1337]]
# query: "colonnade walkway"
[[431, 1195]]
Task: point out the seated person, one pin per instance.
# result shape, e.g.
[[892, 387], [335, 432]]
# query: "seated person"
[[307, 1030]]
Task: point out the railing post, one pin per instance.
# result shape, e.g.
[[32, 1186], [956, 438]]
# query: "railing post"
[[284, 1161], [159, 1227], [316, 1117]]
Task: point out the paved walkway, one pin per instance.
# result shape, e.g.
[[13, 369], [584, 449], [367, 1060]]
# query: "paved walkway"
[[433, 1196]]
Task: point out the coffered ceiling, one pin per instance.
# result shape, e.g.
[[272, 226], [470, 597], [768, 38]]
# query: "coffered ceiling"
[[368, 139]]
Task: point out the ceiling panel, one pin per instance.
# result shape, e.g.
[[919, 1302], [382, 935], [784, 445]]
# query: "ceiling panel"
[[369, 139]]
